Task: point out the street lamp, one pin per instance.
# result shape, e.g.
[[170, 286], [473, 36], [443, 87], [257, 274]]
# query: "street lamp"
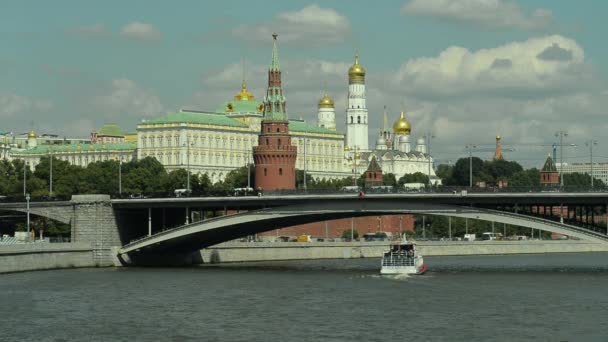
[[120, 175], [591, 143], [470, 147], [561, 134], [27, 200], [305, 162], [50, 173], [24, 177], [428, 138], [187, 145]]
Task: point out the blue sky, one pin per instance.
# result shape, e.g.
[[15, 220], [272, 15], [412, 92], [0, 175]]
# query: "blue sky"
[[69, 66]]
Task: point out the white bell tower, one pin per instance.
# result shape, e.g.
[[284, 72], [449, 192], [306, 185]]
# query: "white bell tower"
[[356, 112]]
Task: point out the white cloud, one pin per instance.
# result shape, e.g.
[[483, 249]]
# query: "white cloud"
[[126, 98], [140, 31], [311, 26], [514, 69], [495, 14], [13, 104]]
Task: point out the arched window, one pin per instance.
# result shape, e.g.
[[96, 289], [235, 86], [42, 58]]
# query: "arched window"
[[358, 119], [280, 171], [266, 141], [279, 142], [278, 130], [351, 119], [265, 172], [358, 107]]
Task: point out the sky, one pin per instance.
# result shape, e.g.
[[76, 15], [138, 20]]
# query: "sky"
[[462, 70]]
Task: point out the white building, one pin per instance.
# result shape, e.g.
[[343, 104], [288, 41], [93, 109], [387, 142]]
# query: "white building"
[[215, 143], [600, 170]]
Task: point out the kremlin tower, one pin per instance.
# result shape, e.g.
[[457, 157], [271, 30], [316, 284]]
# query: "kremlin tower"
[[275, 157], [356, 111]]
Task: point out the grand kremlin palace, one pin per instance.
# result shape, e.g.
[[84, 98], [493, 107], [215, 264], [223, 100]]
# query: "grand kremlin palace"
[[217, 142]]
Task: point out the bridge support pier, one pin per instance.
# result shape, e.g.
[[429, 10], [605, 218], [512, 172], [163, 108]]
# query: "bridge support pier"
[[93, 221]]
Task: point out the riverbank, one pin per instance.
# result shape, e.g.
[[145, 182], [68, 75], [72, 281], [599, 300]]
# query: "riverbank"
[[45, 256], [277, 251]]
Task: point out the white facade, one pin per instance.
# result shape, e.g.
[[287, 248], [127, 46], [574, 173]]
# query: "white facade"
[[600, 170]]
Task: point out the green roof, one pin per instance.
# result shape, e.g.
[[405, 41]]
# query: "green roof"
[[72, 148], [111, 130], [242, 106], [197, 118], [303, 126]]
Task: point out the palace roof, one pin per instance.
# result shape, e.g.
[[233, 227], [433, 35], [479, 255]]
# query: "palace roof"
[[77, 148], [213, 119], [111, 130]]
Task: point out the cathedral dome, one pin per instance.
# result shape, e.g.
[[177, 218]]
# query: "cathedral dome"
[[32, 135], [326, 102], [356, 73], [402, 126]]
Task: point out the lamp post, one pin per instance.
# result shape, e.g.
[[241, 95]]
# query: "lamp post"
[[50, 173], [120, 175], [24, 177], [561, 134], [591, 143], [187, 145], [470, 147], [305, 162], [428, 138], [27, 200]]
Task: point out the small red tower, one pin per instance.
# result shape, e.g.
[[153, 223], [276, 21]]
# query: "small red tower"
[[373, 174], [549, 176], [275, 157]]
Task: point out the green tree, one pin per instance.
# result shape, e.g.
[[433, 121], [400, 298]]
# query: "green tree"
[[444, 172], [526, 178], [347, 234], [417, 177], [460, 172], [389, 179]]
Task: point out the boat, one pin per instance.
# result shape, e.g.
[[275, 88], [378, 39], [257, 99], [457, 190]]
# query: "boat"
[[402, 258]]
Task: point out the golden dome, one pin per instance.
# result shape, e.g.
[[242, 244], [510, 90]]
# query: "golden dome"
[[498, 137], [32, 135], [402, 126], [326, 102], [346, 148], [244, 95], [356, 73], [358, 155]]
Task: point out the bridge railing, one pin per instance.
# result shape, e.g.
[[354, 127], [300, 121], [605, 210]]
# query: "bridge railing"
[[535, 219]]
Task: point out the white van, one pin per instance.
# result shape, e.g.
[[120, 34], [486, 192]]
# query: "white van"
[[489, 236]]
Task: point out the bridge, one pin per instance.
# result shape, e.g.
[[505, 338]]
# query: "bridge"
[[116, 226]]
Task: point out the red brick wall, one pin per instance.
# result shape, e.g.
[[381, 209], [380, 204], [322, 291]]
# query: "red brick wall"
[[370, 224]]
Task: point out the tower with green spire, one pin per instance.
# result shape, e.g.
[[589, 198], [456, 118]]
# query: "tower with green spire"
[[274, 101], [275, 157]]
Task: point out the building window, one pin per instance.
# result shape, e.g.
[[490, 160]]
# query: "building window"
[[278, 130], [266, 141], [279, 142], [265, 172], [351, 119], [280, 171], [358, 119]]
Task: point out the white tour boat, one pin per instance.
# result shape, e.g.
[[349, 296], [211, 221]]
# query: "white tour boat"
[[402, 258]]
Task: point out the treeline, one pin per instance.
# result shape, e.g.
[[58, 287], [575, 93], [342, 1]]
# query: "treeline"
[[494, 171]]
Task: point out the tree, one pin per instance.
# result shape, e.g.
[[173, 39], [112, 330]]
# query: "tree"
[[417, 177], [389, 179], [444, 172], [581, 181], [460, 172], [347, 234], [526, 178]]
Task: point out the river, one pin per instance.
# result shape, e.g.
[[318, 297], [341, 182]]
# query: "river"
[[558, 297]]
